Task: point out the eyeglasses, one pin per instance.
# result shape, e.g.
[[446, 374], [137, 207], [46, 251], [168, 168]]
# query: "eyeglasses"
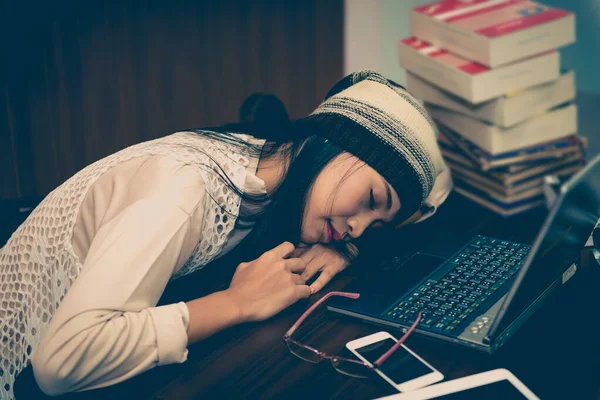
[[346, 366]]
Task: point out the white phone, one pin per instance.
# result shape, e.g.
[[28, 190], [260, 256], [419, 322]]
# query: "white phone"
[[404, 369], [497, 384]]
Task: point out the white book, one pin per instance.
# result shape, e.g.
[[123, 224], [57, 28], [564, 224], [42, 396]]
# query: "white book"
[[493, 32], [469, 80], [552, 125], [506, 110]]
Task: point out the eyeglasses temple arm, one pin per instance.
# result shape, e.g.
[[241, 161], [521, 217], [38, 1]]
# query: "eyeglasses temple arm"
[[317, 304], [387, 354]]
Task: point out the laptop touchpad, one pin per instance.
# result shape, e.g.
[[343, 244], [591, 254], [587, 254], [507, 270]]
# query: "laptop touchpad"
[[398, 277]]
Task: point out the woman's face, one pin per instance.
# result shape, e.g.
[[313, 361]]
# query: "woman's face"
[[347, 197]]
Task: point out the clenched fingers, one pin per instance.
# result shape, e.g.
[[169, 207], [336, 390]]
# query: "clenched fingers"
[[296, 265], [283, 250], [302, 291], [297, 279], [312, 267], [323, 279]]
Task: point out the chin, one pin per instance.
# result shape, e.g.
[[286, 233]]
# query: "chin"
[[308, 239], [305, 239]]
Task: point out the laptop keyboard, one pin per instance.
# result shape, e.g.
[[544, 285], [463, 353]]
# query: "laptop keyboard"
[[471, 278]]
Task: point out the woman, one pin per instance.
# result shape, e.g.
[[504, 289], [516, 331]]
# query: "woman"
[[81, 277]]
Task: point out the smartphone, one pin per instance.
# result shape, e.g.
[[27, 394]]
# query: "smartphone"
[[404, 369]]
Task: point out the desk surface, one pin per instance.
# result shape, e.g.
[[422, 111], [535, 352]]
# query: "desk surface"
[[555, 354]]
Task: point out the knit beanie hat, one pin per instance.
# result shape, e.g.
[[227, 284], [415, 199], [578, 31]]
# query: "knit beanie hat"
[[382, 124]]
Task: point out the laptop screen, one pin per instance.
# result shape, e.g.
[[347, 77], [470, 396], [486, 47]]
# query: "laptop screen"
[[558, 244]]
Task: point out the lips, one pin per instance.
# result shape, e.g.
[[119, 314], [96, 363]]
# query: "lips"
[[333, 234]]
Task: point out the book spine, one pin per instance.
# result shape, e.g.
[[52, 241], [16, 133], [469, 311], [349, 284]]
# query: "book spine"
[[428, 68], [453, 38]]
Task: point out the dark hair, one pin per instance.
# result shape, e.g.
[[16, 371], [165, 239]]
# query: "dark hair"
[[280, 213]]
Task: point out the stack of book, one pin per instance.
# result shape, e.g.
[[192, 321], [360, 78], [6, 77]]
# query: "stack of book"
[[489, 74]]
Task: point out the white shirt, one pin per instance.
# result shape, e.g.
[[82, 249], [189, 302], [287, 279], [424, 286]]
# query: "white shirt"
[[137, 226]]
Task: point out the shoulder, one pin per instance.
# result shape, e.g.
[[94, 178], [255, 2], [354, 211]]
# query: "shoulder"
[[168, 178]]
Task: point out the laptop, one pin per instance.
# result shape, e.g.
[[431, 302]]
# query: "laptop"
[[488, 288]]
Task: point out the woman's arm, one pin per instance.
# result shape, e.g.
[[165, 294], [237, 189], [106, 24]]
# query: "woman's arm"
[[211, 314], [259, 289], [107, 328]]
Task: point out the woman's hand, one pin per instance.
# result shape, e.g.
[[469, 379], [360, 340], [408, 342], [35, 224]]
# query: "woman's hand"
[[320, 258], [265, 286]]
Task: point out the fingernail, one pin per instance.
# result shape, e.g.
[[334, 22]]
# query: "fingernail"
[[312, 290]]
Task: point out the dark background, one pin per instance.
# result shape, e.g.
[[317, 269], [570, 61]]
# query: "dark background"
[[81, 80]]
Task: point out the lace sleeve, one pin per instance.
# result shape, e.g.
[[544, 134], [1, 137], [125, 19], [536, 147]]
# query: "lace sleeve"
[[107, 329]]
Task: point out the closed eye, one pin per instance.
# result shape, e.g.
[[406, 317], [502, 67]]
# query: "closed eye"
[[372, 203]]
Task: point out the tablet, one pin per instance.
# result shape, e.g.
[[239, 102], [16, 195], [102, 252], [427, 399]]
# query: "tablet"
[[495, 384]]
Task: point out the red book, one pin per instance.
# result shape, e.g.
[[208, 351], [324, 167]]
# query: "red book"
[[470, 80], [493, 32]]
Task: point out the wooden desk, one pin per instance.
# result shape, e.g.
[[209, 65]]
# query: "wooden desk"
[[556, 354]]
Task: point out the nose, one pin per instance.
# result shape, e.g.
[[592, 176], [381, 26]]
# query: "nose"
[[357, 225]]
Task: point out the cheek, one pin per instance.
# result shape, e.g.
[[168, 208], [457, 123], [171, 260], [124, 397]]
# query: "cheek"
[[316, 205], [312, 220], [346, 204]]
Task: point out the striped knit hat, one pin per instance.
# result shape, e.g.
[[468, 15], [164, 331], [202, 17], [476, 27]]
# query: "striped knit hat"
[[381, 123]]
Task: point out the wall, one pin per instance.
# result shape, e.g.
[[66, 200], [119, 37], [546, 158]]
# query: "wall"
[[81, 80], [384, 22]]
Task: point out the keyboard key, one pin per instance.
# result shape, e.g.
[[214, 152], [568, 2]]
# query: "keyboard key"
[[457, 298], [469, 310], [466, 303], [449, 328], [428, 321]]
